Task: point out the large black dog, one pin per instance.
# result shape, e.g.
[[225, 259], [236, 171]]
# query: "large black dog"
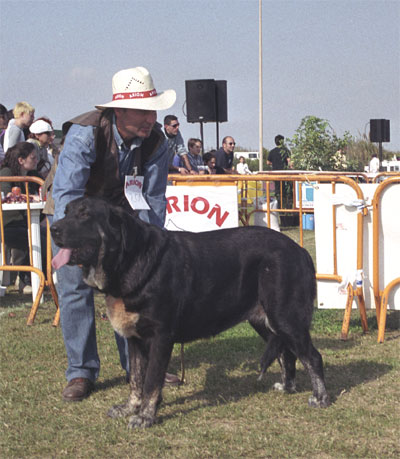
[[167, 287]]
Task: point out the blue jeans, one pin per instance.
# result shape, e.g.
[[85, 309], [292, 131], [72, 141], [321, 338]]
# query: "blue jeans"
[[78, 325]]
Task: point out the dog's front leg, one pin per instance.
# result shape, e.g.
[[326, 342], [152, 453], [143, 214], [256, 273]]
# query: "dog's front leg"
[[159, 356], [138, 360]]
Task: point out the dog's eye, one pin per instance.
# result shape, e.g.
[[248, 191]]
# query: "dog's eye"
[[83, 212]]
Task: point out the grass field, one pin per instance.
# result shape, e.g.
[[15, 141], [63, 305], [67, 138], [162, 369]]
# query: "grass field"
[[221, 411]]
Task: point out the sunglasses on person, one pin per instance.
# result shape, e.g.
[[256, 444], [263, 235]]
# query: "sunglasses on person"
[[174, 125], [231, 143]]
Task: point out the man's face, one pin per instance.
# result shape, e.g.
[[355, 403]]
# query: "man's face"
[[172, 128], [132, 122], [229, 145], [27, 118], [195, 149]]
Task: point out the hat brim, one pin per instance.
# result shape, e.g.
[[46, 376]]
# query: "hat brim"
[[161, 101]]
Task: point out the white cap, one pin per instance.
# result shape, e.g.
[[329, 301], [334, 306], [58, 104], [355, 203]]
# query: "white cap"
[[40, 126]]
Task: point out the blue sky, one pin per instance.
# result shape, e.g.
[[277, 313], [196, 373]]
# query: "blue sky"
[[338, 60]]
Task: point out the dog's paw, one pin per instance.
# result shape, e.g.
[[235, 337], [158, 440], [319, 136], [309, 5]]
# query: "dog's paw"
[[140, 421], [278, 386], [322, 403], [121, 411], [281, 388]]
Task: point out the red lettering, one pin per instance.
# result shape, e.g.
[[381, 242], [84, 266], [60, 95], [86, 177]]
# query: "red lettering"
[[138, 183], [198, 205], [172, 202], [219, 220], [195, 208]]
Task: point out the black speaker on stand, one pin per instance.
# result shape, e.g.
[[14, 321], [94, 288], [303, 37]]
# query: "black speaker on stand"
[[379, 132], [206, 101]]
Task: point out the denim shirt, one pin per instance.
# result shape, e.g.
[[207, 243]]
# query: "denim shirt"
[[77, 157]]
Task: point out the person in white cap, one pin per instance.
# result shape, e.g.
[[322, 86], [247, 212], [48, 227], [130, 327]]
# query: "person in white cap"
[[42, 135], [101, 147]]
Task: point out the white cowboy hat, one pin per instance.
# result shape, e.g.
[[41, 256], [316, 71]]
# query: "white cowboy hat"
[[134, 88]]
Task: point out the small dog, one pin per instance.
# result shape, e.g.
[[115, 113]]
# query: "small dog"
[[167, 287]]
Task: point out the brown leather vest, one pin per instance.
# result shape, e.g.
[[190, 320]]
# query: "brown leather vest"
[[104, 178]]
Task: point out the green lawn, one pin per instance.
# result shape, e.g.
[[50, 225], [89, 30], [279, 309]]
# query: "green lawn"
[[221, 410]]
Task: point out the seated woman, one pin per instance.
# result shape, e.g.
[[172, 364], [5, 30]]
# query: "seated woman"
[[210, 162], [242, 167], [20, 160]]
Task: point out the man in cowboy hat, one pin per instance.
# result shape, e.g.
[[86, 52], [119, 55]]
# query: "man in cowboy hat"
[[101, 147]]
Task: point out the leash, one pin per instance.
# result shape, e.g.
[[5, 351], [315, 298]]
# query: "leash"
[[182, 381]]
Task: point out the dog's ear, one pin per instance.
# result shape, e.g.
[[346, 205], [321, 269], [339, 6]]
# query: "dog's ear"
[[119, 226]]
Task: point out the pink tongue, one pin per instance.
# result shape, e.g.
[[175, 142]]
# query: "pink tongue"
[[61, 259]]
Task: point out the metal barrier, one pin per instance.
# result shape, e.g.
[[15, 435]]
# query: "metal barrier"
[[43, 280], [383, 175], [381, 296]]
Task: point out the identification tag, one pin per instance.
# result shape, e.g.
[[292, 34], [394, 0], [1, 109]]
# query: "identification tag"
[[134, 192]]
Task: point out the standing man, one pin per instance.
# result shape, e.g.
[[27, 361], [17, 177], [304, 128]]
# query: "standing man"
[[374, 164], [224, 155], [279, 159], [102, 147], [176, 146], [24, 114]]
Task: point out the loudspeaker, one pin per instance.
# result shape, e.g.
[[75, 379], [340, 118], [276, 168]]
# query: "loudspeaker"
[[200, 100], [379, 131], [206, 100]]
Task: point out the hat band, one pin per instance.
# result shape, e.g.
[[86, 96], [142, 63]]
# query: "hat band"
[[134, 95]]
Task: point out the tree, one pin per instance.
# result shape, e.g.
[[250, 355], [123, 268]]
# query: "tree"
[[315, 146]]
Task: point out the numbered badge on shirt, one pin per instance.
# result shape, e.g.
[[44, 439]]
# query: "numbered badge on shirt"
[[134, 192]]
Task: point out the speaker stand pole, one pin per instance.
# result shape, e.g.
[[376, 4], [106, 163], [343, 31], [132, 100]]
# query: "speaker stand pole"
[[217, 131], [380, 153], [202, 134]]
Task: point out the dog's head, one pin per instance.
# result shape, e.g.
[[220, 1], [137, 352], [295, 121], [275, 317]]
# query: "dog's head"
[[92, 234]]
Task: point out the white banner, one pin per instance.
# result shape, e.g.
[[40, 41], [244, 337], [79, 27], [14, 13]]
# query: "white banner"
[[201, 208]]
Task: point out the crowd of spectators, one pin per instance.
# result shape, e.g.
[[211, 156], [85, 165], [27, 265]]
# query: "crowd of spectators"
[[191, 160], [19, 125]]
